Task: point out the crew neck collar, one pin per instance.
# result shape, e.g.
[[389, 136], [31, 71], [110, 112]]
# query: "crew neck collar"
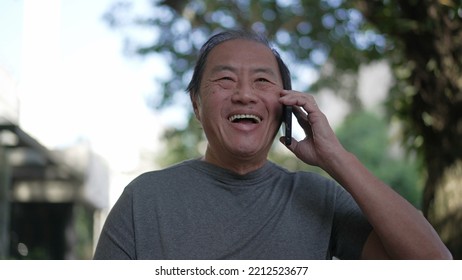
[[230, 177]]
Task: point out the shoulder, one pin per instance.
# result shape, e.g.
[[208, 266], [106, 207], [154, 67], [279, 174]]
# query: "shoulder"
[[305, 178], [167, 178], [174, 172]]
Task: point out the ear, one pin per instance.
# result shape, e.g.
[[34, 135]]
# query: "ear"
[[195, 100]]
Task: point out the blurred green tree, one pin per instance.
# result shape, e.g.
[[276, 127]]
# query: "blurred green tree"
[[422, 40], [366, 135]]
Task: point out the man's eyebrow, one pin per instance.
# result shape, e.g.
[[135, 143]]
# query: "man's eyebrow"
[[266, 70]]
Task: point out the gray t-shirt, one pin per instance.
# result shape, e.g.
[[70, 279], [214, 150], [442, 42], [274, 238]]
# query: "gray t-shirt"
[[195, 210]]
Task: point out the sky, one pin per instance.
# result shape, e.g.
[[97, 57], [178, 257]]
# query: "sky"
[[74, 82]]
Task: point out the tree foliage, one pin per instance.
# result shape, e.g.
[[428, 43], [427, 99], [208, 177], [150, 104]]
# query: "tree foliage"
[[427, 58], [366, 135], [310, 32], [421, 39]]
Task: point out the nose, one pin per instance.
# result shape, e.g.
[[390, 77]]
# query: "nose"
[[244, 93]]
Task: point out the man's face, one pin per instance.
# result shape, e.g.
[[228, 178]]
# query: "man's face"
[[238, 103]]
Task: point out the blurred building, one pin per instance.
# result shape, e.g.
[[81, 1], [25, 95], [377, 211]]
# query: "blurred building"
[[50, 200]]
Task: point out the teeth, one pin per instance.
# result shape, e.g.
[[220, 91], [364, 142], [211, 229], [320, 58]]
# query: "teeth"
[[244, 116]]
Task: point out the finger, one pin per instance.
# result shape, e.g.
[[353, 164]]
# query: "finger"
[[302, 119], [307, 101], [301, 115], [292, 145]]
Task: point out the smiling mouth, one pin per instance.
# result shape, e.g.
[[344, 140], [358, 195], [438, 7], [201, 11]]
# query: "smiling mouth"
[[244, 118]]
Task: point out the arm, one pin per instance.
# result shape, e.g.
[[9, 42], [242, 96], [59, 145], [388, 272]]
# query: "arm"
[[400, 231]]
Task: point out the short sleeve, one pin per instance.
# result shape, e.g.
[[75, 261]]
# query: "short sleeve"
[[117, 239]]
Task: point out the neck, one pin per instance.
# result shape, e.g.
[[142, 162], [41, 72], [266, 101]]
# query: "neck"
[[239, 165]]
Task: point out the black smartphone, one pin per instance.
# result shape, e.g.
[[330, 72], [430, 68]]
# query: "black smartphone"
[[287, 122]]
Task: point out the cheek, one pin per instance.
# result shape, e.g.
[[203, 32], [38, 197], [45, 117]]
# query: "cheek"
[[216, 91], [271, 100], [278, 114], [265, 87], [268, 91], [211, 106], [226, 85], [215, 98]]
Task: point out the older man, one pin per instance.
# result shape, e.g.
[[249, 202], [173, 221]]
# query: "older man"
[[235, 204]]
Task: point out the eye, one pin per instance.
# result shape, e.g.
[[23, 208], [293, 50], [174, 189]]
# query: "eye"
[[226, 79], [262, 80], [225, 82], [263, 84]]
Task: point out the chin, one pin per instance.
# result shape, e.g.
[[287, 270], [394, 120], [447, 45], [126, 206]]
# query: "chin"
[[248, 152], [247, 147]]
